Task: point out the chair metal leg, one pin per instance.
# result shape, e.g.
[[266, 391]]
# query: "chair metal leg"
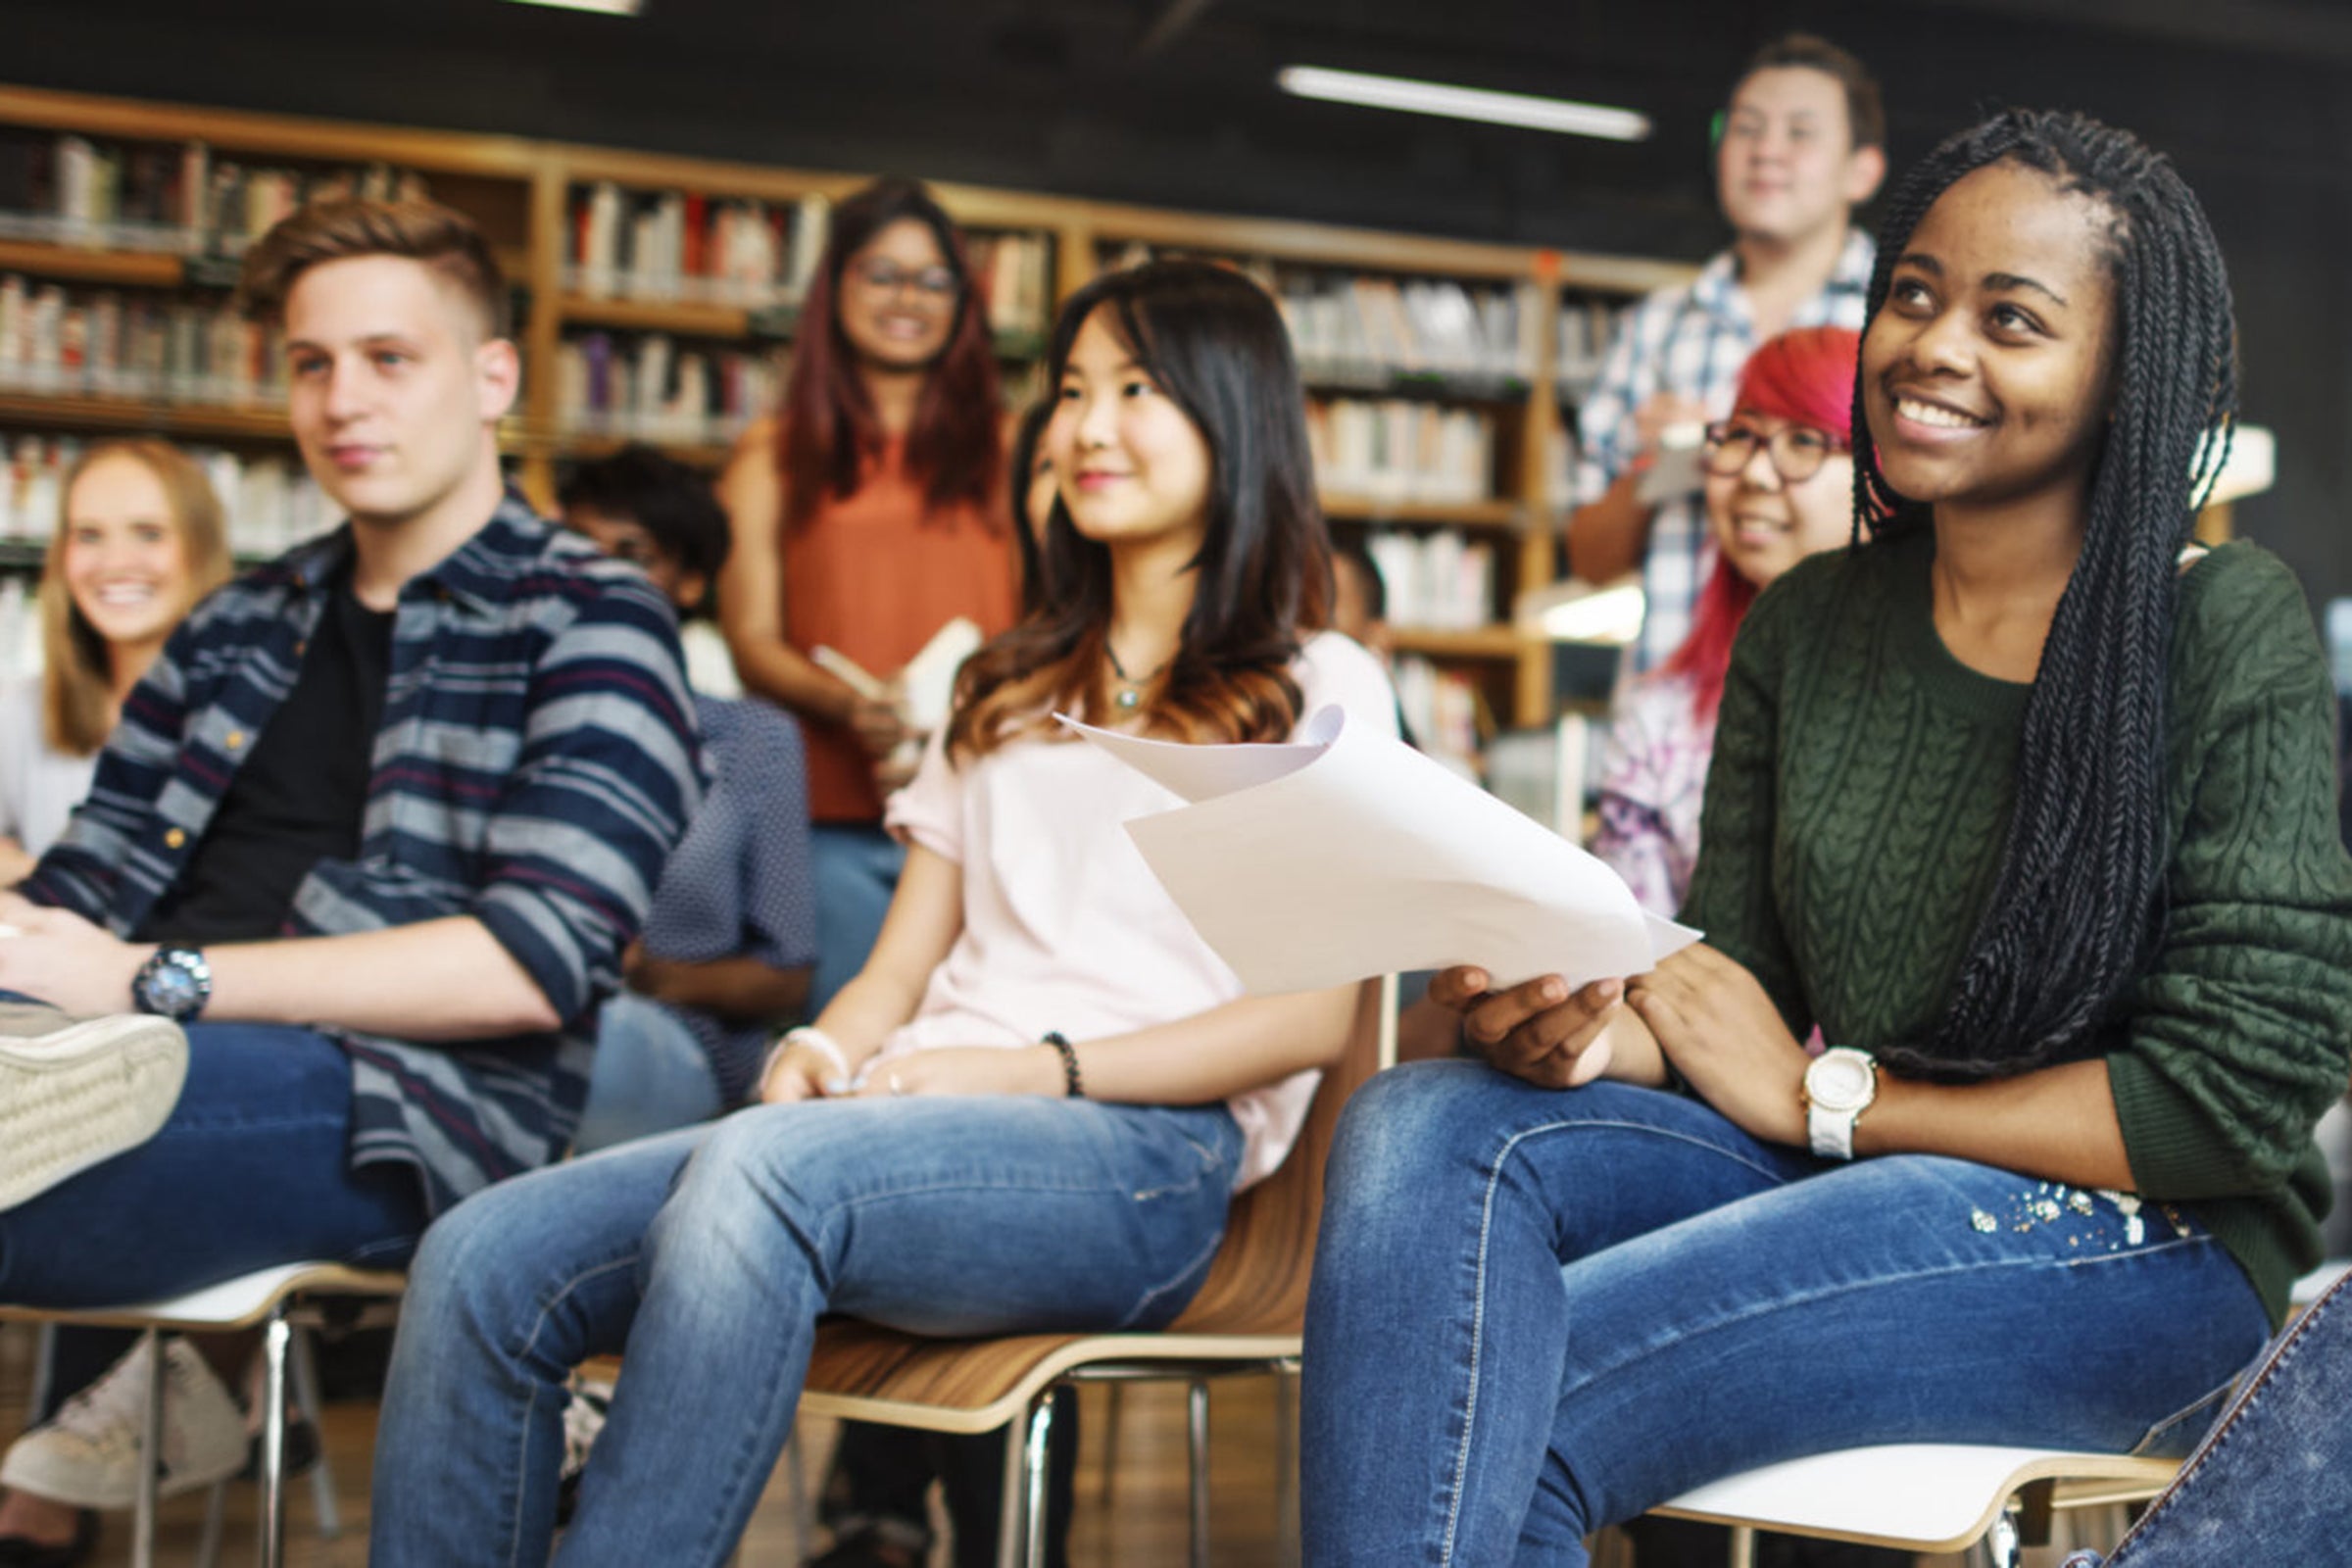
[[1197, 1451], [275, 1334], [2003, 1545], [1112, 1392], [216, 1518], [43, 1344], [151, 1451], [1039, 1457], [304, 1367], [1009, 1539], [1743, 1547]]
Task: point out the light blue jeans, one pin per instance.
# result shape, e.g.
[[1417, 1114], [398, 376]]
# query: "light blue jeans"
[[705, 1255], [651, 1075], [2272, 1483], [1539, 1312], [857, 866]]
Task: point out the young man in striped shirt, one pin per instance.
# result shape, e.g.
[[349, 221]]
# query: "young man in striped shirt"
[[1801, 146], [365, 850]]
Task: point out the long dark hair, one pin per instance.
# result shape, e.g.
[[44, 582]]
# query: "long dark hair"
[[2078, 905], [829, 430], [1214, 343]]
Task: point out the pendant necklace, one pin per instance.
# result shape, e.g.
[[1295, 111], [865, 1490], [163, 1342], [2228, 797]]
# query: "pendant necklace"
[[1130, 693]]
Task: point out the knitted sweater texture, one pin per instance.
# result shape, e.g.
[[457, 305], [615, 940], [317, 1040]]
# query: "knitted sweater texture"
[[1855, 815]]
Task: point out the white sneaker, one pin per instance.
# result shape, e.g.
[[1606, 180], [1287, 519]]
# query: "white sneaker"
[[81, 1094], [88, 1454]]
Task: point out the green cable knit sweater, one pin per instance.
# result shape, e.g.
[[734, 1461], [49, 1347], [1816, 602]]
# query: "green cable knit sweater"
[[1855, 814]]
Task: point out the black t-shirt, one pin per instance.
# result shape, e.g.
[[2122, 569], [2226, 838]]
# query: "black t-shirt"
[[300, 797]]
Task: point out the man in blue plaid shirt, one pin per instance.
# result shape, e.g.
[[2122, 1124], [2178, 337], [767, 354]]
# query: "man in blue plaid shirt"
[[358, 865], [1801, 147]]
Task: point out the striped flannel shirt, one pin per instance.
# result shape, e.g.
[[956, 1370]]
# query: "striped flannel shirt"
[[536, 763], [1692, 340]]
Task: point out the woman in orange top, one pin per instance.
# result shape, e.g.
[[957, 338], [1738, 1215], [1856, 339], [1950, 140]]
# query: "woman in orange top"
[[868, 514]]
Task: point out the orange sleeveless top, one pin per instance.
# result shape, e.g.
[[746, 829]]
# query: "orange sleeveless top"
[[872, 576]]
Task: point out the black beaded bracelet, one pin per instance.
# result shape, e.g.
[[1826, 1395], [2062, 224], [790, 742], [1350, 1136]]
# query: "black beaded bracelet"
[[1073, 1084]]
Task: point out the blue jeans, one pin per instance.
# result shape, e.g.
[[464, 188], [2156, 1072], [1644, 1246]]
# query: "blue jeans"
[[651, 1075], [249, 1170], [1536, 1314], [706, 1256], [857, 866], [2271, 1482]]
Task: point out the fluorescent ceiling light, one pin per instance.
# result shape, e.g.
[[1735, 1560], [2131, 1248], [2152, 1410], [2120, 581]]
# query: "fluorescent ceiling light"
[[1562, 114], [608, 7]]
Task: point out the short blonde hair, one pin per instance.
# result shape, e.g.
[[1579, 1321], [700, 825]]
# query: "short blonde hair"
[[440, 237], [76, 684]]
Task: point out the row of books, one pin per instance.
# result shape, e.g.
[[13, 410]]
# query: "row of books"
[[269, 501], [1443, 708], [1347, 328], [646, 387], [1395, 450], [62, 343], [1586, 330], [173, 197], [1435, 581], [1351, 328], [685, 247]]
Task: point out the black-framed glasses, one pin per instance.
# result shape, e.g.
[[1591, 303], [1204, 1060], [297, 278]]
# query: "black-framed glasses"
[[888, 277], [1796, 451]]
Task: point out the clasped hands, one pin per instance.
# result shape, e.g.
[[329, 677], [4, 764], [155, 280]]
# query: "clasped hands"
[[805, 1073], [1698, 1010]]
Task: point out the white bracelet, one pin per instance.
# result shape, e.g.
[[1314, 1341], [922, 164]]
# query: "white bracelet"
[[816, 1040]]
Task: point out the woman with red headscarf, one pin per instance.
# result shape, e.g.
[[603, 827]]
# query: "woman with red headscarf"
[[1779, 487]]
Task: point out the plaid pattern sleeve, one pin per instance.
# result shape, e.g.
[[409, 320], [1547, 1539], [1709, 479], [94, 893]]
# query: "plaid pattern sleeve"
[[1692, 341], [536, 763]]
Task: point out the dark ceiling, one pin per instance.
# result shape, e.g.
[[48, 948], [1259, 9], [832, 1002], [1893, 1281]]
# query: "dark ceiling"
[[1171, 101]]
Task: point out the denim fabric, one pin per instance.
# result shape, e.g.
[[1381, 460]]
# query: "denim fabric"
[[248, 1171], [2272, 1483], [1536, 1314], [706, 1255], [857, 871], [652, 1073]]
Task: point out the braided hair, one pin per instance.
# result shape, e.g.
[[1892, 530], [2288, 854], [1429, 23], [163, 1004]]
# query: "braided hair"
[[2078, 908]]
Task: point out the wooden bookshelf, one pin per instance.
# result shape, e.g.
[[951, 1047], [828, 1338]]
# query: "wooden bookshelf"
[[522, 191]]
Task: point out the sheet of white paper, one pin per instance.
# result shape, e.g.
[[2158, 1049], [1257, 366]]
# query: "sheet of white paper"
[[929, 678], [1348, 854]]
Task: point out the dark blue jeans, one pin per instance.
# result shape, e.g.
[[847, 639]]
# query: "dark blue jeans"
[[2272, 1483], [248, 1171], [1539, 1312]]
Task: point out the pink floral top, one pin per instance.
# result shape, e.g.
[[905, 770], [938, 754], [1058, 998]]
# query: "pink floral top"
[[1653, 777]]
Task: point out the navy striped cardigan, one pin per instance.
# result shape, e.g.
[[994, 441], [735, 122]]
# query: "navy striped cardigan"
[[537, 763]]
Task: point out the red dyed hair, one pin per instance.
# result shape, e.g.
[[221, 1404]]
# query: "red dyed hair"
[[1808, 378], [829, 432]]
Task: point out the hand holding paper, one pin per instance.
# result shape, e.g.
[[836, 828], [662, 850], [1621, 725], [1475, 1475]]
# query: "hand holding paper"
[[1349, 855]]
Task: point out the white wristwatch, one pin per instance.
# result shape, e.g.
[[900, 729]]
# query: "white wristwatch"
[[1838, 1087]]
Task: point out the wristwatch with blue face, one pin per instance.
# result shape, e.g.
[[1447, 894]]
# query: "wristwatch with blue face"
[[175, 982]]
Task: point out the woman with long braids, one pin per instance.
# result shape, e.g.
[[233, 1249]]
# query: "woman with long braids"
[[2027, 805]]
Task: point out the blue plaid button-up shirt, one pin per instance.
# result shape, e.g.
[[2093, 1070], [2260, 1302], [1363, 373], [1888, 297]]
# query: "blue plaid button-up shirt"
[[1693, 340], [537, 762]]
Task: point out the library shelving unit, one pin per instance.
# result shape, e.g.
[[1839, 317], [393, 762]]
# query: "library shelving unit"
[[656, 294]]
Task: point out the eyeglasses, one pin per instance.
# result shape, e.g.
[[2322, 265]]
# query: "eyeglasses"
[[888, 277], [1796, 451]]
